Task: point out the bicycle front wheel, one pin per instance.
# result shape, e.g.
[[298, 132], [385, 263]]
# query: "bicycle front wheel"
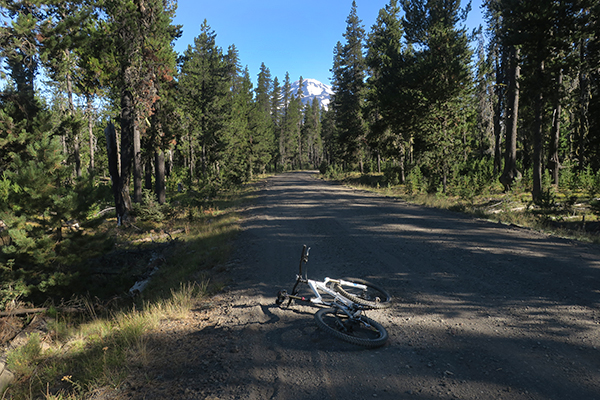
[[360, 330], [373, 296]]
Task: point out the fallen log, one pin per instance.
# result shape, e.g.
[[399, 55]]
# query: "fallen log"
[[25, 311]]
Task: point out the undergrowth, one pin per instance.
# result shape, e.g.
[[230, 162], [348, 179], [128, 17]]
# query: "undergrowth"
[[94, 349], [570, 212]]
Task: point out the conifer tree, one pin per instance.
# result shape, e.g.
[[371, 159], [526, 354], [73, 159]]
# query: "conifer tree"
[[387, 109], [443, 60], [237, 165], [262, 139], [276, 103], [290, 135], [264, 88], [204, 84], [141, 32], [261, 123], [349, 87], [64, 37], [311, 134], [285, 130], [34, 202]]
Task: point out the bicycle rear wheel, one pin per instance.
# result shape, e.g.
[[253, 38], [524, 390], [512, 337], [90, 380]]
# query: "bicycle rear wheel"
[[361, 330], [373, 296]]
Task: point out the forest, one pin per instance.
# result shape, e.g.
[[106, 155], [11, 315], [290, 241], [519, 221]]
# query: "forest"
[[98, 111]]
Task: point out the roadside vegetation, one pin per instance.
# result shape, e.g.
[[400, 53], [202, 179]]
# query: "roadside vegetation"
[[89, 340], [571, 211]]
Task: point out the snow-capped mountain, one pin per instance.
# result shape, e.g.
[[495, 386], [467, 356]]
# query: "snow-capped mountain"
[[312, 88]]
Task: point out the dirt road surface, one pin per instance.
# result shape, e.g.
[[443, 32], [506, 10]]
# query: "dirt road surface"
[[481, 310]]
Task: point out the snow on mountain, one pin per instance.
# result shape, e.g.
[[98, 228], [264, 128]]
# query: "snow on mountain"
[[312, 88]]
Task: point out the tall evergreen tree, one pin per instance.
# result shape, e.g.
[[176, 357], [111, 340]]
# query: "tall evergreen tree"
[[386, 108], [443, 60], [276, 102], [141, 32], [264, 88], [311, 134], [204, 83], [34, 201], [349, 88], [261, 123], [237, 166], [287, 126], [64, 38]]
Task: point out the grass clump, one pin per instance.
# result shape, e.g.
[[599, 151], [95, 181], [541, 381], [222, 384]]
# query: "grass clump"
[[95, 353]]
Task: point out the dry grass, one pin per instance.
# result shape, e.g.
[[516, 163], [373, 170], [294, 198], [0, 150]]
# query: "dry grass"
[[570, 215]]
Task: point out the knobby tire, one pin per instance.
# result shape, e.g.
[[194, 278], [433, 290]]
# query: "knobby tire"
[[374, 297], [361, 330]]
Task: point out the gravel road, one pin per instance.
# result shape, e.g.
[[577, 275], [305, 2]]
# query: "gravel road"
[[481, 310]]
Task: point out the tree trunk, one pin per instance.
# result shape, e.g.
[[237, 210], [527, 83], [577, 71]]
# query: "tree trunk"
[[127, 133], [159, 165], [113, 165], [192, 161], [148, 174], [538, 137], [511, 173], [169, 163], [76, 153], [91, 133], [402, 163], [497, 119], [584, 102], [137, 163], [555, 140]]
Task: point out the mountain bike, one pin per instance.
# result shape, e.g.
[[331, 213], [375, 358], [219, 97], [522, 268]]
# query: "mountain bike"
[[346, 300]]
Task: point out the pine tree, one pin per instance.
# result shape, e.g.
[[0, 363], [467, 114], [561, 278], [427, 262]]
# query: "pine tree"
[[276, 102], [141, 32], [290, 133], [34, 201], [387, 111], [443, 61], [64, 38], [311, 134], [237, 166], [264, 88], [261, 123], [287, 137], [204, 82], [349, 88]]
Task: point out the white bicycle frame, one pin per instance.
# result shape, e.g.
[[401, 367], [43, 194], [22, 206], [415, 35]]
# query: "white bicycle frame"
[[349, 307], [318, 287]]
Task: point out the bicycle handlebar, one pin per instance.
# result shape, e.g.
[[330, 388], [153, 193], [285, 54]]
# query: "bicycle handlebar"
[[303, 258]]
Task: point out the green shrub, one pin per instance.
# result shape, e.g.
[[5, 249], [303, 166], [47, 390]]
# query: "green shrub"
[[334, 172], [568, 178], [149, 209], [590, 182], [414, 181], [392, 175]]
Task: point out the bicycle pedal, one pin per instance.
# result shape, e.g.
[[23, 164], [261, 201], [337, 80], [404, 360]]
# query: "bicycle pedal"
[[281, 297]]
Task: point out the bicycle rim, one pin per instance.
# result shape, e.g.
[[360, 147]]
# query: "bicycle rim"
[[361, 330], [373, 296]]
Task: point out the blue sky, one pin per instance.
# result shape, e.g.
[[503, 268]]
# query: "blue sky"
[[297, 36]]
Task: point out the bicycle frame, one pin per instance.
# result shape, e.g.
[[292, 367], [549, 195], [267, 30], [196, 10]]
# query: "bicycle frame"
[[317, 287]]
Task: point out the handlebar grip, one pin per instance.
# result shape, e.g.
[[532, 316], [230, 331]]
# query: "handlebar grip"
[[303, 257]]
